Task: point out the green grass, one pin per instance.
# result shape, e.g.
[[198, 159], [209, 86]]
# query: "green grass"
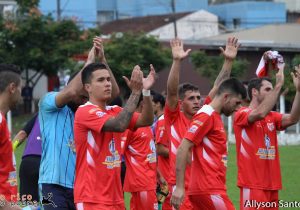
[[290, 169]]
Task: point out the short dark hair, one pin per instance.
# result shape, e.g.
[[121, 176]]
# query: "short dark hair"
[[184, 87], [89, 69], [158, 98], [256, 83], [9, 73], [234, 86]]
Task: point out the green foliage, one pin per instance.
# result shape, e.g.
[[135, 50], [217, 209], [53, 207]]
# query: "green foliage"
[[210, 66], [127, 50], [40, 43]]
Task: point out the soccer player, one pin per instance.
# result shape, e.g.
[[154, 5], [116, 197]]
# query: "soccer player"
[[183, 102], [10, 96], [259, 177], [97, 135], [207, 137], [140, 159], [56, 117]]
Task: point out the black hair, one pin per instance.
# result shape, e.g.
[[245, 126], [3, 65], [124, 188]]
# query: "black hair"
[[9, 73], [89, 69], [158, 98], [184, 87], [234, 86], [256, 83]]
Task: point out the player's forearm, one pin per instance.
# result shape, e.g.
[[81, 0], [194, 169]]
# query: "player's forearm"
[[224, 73], [295, 111], [115, 87], [266, 106], [173, 79], [121, 121], [181, 161], [162, 150], [147, 116]]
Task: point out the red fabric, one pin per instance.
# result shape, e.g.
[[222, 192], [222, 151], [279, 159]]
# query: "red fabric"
[[97, 206], [144, 200], [258, 158], [98, 157], [8, 175], [140, 158], [250, 199], [162, 138], [211, 202], [176, 124], [209, 153]]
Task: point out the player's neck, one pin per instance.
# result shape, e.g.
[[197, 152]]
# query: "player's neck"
[[101, 104], [4, 104], [253, 104], [216, 104]]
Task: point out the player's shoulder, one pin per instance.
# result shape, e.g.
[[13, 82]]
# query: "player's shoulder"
[[206, 110], [243, 109]]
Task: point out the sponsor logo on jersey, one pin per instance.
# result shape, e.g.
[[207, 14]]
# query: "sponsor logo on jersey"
[[113, 160]]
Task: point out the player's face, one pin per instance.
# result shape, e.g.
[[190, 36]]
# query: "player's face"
[[231, 104], [16, 97], [191, 102], [100, 86], [264, 90]]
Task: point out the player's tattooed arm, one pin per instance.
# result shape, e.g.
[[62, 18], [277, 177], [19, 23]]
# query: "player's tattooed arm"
[[121, 121]]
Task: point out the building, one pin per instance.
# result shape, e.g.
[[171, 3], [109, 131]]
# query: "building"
[[92, 12], [249, 14], [291, 5], [7, 7]]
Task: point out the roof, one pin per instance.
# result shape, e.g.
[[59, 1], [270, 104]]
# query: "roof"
[[140, 24], [279, 36]]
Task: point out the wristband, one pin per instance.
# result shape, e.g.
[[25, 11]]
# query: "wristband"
[[15, 144], [146, 92]]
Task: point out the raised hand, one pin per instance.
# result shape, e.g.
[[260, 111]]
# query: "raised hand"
[[150, 79], [136, 81], [296, 77], [177, 49], [99, 49], [231, 48]]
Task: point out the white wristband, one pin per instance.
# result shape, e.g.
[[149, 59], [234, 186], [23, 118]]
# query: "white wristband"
[[146, 92]]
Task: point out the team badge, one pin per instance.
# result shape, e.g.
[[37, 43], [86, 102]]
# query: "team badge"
[[270, 126]]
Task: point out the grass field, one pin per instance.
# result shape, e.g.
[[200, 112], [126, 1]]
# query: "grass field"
[[290, 168]]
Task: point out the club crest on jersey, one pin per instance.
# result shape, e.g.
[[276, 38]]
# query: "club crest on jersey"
[[198, 122], [152, 157], [193, 129], [100, 114], [114, 160], [270, 126]]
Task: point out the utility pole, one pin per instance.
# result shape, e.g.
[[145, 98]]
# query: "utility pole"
[[174, 19], [58, 10]]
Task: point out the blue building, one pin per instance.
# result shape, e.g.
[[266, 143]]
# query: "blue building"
[[92, 12], [249, 14]]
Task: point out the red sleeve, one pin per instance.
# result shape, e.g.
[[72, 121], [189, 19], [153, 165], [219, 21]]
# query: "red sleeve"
[[241, 117], [92, 118], [207, 100], [171, 115], [201, 125], [161, 134], [278, 120]]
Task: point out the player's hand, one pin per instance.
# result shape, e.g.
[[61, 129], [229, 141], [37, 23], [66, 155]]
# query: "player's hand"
[[99, 49], [136, 81], [231, 48], [150, 79], [296, 77], [177, 49], [177, 197]]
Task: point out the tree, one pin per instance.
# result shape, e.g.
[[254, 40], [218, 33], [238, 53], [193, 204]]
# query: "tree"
[[124, 51], [209, 66], [37, 42]]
